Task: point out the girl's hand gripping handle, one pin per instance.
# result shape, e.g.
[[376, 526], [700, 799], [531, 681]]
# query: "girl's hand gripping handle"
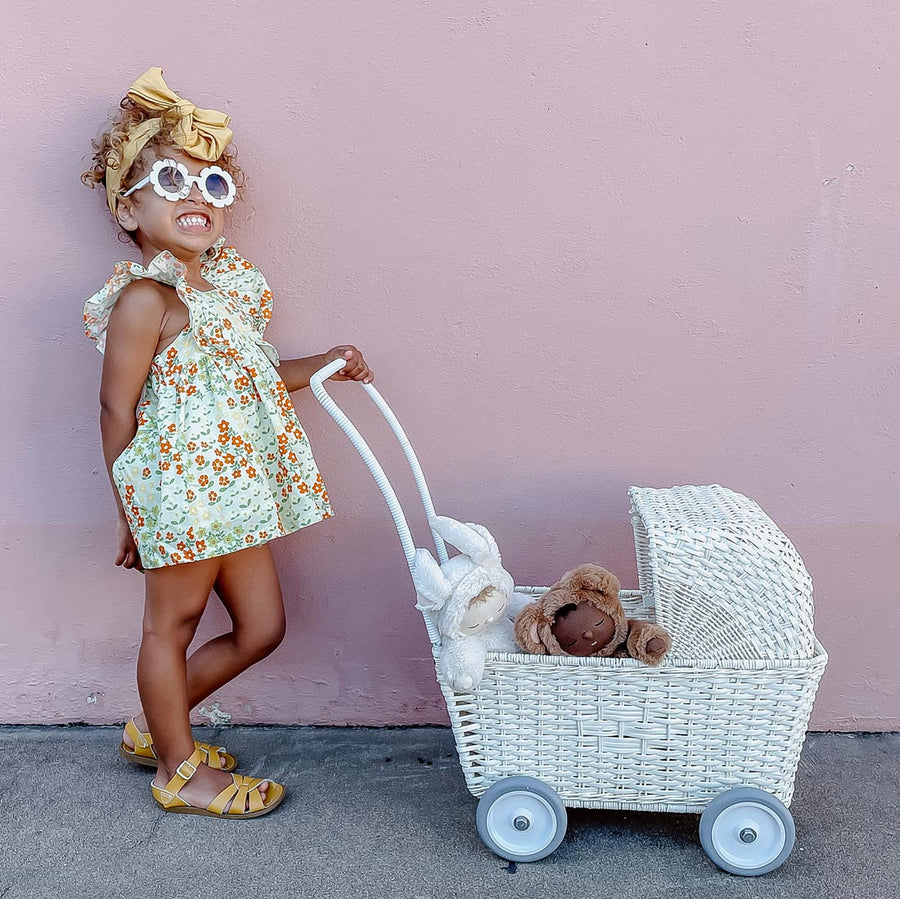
[[324, 373]]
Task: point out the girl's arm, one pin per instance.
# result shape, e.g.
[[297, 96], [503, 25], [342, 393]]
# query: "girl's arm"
[[296, 372], [131, 339]]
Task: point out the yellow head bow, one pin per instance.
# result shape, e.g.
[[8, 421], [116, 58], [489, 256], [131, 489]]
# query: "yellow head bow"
[[201, 133]]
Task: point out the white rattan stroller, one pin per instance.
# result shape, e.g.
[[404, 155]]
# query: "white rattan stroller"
[[716, 730]]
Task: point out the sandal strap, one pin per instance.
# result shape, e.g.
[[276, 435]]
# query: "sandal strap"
[[183, 773], [217, 806], [213, 758], [238, 791], [143, 742]]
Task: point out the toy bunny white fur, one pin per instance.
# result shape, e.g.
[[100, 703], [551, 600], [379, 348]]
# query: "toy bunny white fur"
[[468, 596]]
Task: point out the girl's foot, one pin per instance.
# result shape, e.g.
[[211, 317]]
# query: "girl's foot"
[[140, 723], [194, 787]]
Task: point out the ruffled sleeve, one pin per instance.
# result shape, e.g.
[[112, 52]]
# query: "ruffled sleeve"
[[245, 283], [99, 307]]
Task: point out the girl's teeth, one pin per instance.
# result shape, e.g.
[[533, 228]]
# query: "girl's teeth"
[[192, 220]]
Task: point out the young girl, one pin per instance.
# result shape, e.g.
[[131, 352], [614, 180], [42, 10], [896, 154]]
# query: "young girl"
[[203, 447]]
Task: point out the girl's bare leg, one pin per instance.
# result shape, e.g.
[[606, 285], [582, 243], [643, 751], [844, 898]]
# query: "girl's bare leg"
[[251, 594], [175, 599], [248, 586], [247, 583]]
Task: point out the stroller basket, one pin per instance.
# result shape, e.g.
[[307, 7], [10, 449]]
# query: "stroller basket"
[[716, 720]]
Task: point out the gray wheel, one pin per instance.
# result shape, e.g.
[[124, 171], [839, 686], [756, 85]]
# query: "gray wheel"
[[521, 819], [747, 831]]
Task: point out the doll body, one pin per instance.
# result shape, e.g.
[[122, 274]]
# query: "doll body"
[[468, 596], [581, 615]]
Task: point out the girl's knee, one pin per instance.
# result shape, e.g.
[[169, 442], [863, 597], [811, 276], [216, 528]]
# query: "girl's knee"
[[260, 640], [177, 631]]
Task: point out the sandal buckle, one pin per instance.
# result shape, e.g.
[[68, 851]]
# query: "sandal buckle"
[[181, 773]]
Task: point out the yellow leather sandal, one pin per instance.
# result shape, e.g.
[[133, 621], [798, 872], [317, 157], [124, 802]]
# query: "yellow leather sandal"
[[144, 754], [240, 791]]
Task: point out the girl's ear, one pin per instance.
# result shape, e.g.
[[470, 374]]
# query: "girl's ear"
[[125, 215]]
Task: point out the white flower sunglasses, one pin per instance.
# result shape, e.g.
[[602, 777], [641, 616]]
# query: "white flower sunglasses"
[[172, 180]]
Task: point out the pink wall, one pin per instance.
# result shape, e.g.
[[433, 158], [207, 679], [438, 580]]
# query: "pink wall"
[[584, 245]]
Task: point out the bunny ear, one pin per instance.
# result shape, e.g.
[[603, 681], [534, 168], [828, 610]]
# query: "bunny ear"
[[432, 588], [486, 535], [463, 537]]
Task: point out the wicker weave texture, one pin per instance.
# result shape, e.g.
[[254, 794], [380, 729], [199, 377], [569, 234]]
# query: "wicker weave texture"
[[612, 733], [724, 580]]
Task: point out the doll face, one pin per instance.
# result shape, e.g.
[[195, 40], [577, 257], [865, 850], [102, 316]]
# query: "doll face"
[[483, 611], [582, 629]]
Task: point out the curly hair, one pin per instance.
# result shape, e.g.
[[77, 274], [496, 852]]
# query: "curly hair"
[[108, 150]]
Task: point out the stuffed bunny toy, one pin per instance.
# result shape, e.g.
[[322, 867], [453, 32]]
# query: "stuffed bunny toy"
[[469, 597]]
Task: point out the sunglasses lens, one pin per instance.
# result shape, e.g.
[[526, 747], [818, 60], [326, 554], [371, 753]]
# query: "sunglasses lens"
[[217, 186], [171, 180]]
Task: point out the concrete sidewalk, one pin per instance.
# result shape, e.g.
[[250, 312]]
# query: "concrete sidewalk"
[[385, 812]]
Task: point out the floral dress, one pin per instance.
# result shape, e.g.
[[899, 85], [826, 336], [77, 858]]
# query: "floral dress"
[[219, 461]]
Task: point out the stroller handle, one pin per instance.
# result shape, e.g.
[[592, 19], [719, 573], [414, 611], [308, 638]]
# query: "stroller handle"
[[387, 491]]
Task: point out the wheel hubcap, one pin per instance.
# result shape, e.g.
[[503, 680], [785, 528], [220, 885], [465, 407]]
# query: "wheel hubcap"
[[748, 835], [521, 822]]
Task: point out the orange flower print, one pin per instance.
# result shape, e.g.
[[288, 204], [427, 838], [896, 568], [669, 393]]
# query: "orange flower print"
[[224, 428]]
